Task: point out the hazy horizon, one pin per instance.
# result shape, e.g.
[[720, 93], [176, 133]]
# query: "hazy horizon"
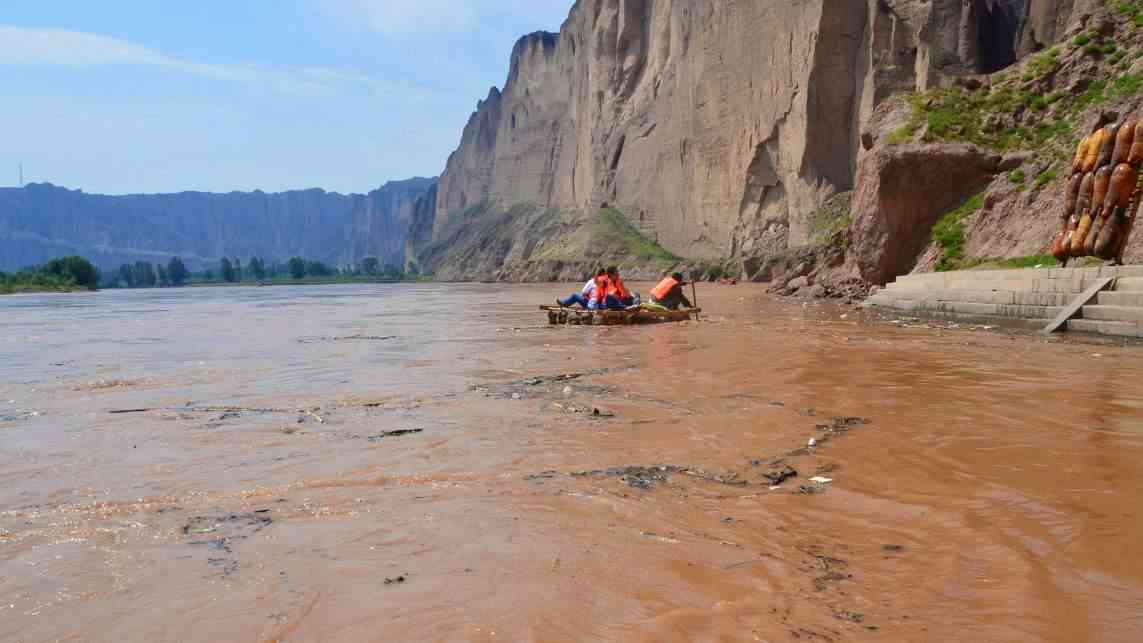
[[341, 95]]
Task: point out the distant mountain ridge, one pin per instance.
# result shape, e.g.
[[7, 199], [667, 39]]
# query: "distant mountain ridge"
[[41, 221]]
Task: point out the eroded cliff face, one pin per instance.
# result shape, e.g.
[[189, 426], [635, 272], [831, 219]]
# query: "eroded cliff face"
[[718, 127], [691, 117], [39, 222]]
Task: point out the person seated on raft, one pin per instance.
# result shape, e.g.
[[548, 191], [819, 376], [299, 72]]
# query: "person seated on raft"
[[582, 297], [623, 295], [610, 293], [669, 293]]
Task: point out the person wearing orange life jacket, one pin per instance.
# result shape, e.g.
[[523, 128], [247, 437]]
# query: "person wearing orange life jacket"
[[621, 293], [669, 293], [612, 294], [602, 297]]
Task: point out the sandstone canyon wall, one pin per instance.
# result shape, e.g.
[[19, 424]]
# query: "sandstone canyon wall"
[[718, 127], [42, 221]]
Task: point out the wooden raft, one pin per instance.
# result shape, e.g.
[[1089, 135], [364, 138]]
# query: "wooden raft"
[[580, 317]]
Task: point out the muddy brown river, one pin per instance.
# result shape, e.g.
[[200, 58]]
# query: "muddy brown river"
[[435, 463]]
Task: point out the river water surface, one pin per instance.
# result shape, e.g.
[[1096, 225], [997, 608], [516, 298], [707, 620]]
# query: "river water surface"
[[434, 462]]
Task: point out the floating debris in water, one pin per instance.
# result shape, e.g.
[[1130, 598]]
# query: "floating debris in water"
[[780, 475], [393, 434], [641, 477], [347, 338], [225, 530], [637, 477], [721, 478], [18, 416]]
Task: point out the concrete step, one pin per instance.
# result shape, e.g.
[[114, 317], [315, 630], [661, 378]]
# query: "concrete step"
[[1128, 272], [1010, 297], [1035, 295], [1129, 284], [971, 296], [885, 301], [1023, 298], [1120, 298], [966, 308], [1114, 313], [1028, 284], [1112, 328], [927, 278], [1030, 324]]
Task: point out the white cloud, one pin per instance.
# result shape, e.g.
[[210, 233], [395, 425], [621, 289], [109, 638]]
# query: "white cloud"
[[55, 48], [20, 46]]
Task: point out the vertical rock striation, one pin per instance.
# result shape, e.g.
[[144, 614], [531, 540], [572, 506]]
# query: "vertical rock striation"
[[717, 127]]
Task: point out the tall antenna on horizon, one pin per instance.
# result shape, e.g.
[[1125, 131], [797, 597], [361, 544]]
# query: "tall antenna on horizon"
[[21, 176]]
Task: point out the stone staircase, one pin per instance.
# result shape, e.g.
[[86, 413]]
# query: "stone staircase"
[[1027, 298]]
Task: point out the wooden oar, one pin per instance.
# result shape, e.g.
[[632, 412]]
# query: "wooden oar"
[[694, 298]]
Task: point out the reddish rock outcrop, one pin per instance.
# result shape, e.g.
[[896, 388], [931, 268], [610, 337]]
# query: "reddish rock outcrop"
[[901, 192]]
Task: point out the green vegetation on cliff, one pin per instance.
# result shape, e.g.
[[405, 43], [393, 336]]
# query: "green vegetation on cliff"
[[530, 242], [609, 238], [1130, 9], [830, 223], [1034, 261], [948, 233], [613, 231], [1038, 104], [982, 116]]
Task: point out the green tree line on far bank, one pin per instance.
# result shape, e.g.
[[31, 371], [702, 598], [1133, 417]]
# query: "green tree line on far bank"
[[77, 273], [232, 270], [59, 275]]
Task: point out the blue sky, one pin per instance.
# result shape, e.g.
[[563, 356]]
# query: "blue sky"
[[128, 96]]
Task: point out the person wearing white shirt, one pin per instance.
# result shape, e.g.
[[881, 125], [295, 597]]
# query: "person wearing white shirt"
[[582, 297]]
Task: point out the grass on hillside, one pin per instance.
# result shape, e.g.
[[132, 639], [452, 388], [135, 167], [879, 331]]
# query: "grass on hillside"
[[614, 232], [957, 114], [948, 233], [1130, 9], [609, 238], [1033, 261], [1013, 112], [830, 222], [1047, 176]]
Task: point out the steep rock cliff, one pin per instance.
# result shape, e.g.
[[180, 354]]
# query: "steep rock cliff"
[[719, 127], [419, 234], [42, 221]]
